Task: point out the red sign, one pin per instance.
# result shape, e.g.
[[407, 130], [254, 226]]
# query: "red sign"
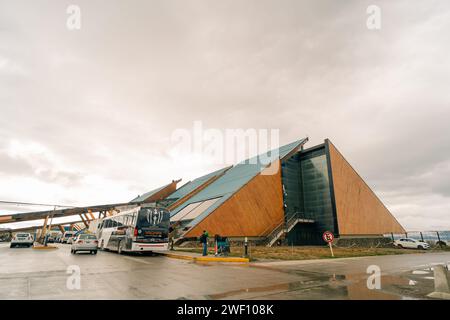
[[328, 236]]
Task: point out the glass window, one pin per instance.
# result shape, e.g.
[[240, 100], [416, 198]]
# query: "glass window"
[[307, 190]]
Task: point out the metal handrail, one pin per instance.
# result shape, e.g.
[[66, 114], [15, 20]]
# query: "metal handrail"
[[282, 226], [275, 231], [287, 222], [262, 234]]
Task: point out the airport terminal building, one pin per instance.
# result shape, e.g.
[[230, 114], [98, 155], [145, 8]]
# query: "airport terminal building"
[[301, 193]]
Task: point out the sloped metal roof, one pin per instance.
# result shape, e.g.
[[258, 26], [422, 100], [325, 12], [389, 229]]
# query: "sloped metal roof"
[[235, 178], [194, 184]]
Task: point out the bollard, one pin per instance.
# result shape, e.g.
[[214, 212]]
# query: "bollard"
[[246, 247], [216, 245], [441, 283]]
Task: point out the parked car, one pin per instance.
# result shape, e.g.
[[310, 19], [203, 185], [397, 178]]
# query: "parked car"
[[22, 239], [67, 235], [71, 240], [85, 242], [409, 243], [52, 236]]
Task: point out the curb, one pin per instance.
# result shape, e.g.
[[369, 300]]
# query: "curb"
[[44, 247], [206, 259]]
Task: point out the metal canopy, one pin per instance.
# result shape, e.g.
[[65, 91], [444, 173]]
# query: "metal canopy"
[[37, 215]]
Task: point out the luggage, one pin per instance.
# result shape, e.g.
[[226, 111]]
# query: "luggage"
[[223, 246]]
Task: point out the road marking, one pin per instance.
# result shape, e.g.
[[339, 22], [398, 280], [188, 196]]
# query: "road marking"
[[412, 282], [419, 272]]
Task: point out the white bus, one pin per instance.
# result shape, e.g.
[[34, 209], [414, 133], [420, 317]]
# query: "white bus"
[[139, 229]]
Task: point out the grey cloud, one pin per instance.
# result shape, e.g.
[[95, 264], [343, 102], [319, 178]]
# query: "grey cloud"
[[9, 165], [106, 99], [18, 166], [64, 178]]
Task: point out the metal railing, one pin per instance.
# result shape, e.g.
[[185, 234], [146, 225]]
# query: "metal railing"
[[288, 223], [432, 237]]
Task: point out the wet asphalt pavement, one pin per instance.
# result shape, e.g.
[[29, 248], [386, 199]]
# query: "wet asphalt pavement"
[[26, 273]]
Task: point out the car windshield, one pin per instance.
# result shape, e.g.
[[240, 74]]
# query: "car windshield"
[[22, 235]]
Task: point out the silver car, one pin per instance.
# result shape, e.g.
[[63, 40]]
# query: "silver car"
[[85, 242], [22, 239]]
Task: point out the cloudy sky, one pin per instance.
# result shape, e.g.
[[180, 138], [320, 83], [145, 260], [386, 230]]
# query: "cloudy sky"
[[87, 115]]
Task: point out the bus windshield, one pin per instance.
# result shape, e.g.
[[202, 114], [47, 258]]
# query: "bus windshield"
[[152, 217]]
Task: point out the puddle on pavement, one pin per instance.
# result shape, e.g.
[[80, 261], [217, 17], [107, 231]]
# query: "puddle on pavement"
[[413, 284], [266, 289], [353, 287]]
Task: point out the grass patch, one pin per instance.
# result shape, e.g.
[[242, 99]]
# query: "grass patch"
[[310, 252]]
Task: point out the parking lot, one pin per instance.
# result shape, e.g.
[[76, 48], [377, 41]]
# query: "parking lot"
[[27, 273]]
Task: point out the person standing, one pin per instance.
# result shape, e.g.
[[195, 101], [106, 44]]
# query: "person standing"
[[204, 242]]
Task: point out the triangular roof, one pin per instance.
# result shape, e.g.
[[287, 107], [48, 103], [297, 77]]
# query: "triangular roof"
[[194, 184], [235, 178], [149, 194]]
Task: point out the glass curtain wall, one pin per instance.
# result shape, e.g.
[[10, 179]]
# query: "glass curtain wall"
[[306, 189]]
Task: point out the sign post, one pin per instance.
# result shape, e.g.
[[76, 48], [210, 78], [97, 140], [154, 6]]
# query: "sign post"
[[328, 237]]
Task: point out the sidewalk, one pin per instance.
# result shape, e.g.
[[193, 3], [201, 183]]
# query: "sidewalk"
[[198, 257]]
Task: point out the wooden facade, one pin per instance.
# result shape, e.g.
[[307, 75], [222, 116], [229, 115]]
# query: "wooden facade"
[[359, 211], [257, 209], [253, 211]]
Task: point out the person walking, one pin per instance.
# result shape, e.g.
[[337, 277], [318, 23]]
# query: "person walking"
[[204, 241]]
